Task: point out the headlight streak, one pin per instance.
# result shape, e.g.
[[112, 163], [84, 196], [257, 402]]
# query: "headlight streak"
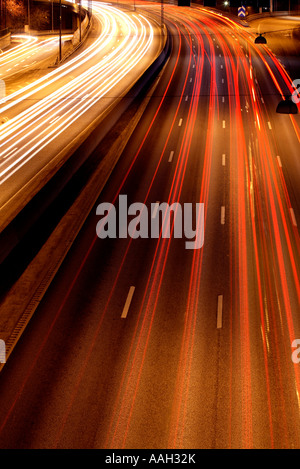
[[20, 51], [86, 91], [20, 58], [108, 30], [272, 235], [76, 111], [26, 116], [75, 96], [65, 69]]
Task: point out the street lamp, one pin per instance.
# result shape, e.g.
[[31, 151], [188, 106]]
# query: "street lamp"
[[2, 14], [260, 40], [79, 20], [29, 14], [287, 106], [227, 5], [52, 20], [60, 12]]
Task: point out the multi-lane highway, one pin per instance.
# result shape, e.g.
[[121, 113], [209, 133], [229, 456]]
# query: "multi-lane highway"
[[25, 52], [142, 343], [44, 117]]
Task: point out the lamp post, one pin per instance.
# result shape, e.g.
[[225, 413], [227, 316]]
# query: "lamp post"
[[79, 20], [52, 20], [60, 27], [29, 14]]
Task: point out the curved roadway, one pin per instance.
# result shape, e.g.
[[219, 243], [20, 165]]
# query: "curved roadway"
[[46, 116], [202, 357]]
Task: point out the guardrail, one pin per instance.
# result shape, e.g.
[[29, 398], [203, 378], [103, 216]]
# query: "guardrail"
[[83, 29]]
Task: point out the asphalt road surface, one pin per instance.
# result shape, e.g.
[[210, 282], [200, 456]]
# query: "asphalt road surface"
[[142, 343]]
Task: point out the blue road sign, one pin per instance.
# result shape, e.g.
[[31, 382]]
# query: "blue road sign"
[[242, 11]]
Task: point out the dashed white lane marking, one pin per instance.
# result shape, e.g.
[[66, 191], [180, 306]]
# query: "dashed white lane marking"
[[128, 302], [220, 312]]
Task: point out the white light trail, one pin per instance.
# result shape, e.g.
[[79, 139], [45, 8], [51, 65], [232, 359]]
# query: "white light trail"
[[31, 130]]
